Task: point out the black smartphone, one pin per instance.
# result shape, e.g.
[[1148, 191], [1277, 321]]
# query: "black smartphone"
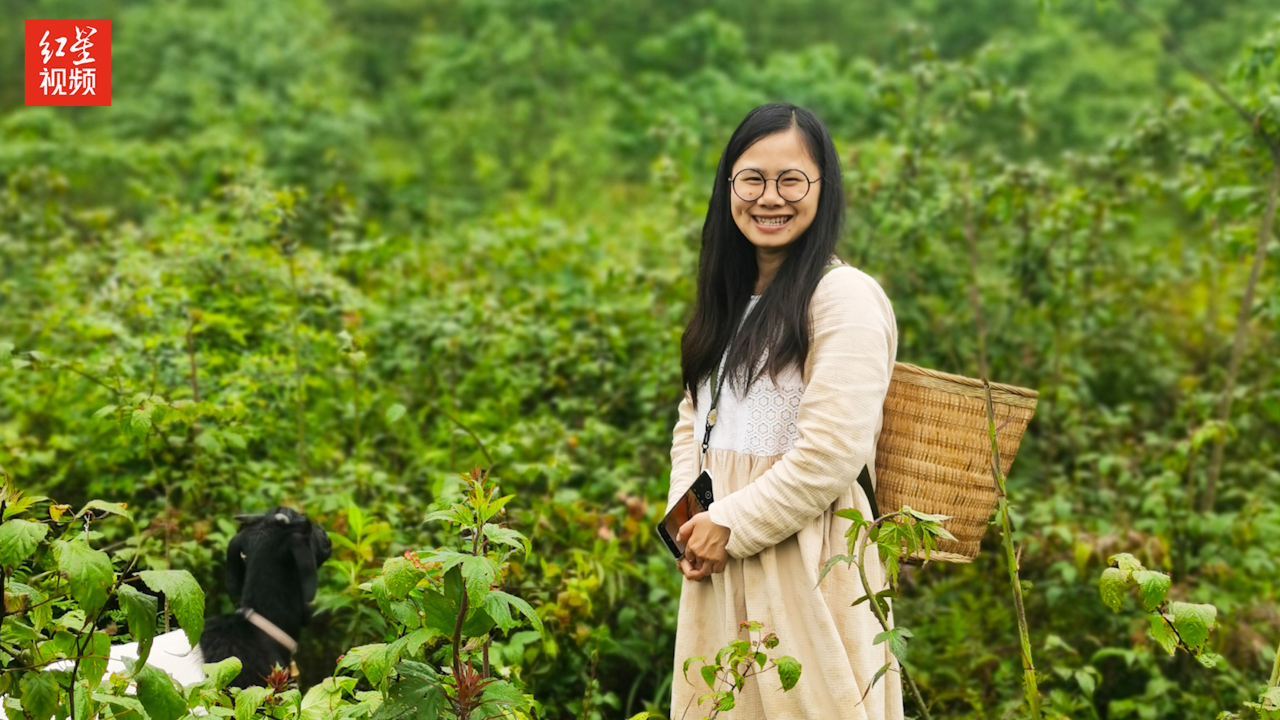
[[698, 499]]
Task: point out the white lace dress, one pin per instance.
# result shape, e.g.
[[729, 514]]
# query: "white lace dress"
[[783, 459]]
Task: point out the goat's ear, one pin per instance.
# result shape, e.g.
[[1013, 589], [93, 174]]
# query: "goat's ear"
[[306, 561], [235, 565], [320, 544]]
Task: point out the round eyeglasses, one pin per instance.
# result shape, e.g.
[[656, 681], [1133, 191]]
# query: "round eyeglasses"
[[792, 185]]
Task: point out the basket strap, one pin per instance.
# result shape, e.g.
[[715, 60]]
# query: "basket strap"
[[864, 477]]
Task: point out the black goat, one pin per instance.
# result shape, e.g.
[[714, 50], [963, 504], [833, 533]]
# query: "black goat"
[[271, 565]]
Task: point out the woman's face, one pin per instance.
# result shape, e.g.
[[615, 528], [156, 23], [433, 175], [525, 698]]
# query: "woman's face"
[[771, 221]]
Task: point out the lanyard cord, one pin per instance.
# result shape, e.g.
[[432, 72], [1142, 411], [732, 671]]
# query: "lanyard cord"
[[718, 379]]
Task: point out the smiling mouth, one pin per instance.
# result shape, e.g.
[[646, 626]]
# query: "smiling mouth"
[[777, 221]]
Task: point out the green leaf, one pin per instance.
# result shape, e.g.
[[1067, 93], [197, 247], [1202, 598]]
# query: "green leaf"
[[18, 539], [248, 702], [439, 613], [478, 623], [826, 568], [788, 671], [106, 507], [709, 676], [479, 572], [1208, 659], [220, 674], [416, 694], [158, 695], [395, 412], [1127, 563], [323, 699], [1193, 621], [400, 577], [1162, 633], [89, 572], [504, 693], [1153, 587], [689, 662], [139, 610], [375, 662], [507, 536], [105, 411], [453, 587], [897, 638], [39, 695], [1112, 586], [1087, 682], [94, 664], [186, 599], [880, 673], [726, 702]]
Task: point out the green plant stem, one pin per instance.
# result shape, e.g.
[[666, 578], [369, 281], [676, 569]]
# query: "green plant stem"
[[297, 370], [874, 602], [1275, 670], [1028, 666]]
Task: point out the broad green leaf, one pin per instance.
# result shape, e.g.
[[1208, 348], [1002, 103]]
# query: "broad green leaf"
[[439, 613], [507, 536], [1208, 659], [1163, 634], [725, 703], [375, 662], [503, 693], [94, 662], [89, 572], [709, 676], [415, 694], [106, 507], [519, 604], [1126, 563], [18, 539], [158, 695], [186, 599], [477, 624], [1153, 587], [248, 702], [788, 671], [105, 411], [323, 699], [394, 413], [39, 695], [453, 586], [139, 610], [689, 662], [1193, 622], [480, 573], [222, 673], [496, 605], [400, 576], [1112, 586]]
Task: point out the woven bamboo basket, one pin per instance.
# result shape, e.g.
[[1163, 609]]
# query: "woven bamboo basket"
[[934, 453]]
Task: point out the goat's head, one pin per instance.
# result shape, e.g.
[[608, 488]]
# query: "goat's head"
[[272, 543]]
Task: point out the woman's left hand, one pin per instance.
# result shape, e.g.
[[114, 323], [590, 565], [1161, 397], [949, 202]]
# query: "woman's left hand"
[[706, 541]]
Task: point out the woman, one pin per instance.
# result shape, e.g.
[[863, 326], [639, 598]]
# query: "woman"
[[807, 353]]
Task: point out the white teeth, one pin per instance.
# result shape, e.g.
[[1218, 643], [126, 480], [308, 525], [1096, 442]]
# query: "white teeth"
[[773, 220]]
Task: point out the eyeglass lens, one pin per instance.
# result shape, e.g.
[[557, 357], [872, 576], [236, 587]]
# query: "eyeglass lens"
[[792, 185]]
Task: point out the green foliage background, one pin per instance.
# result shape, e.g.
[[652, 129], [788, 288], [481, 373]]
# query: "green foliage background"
[[377, 243]]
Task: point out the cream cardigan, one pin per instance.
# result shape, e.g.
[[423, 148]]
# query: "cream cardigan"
[[783, 459]]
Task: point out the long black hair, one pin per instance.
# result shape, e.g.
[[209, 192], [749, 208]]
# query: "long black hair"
[[779, 324]]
